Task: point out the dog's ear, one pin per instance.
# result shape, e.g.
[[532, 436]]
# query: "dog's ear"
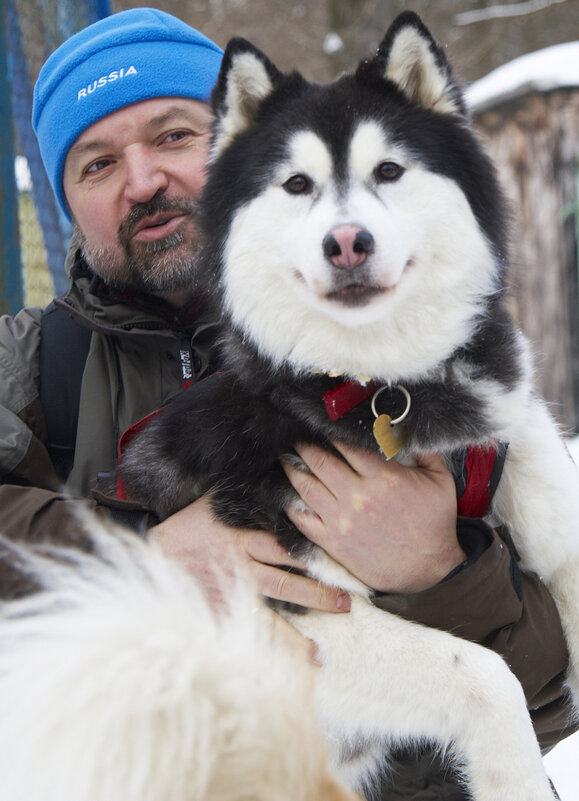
[[246, 78], [410, 58]]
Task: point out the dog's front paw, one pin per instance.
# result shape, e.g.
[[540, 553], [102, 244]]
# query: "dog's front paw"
[[340, 637], [385, 679]]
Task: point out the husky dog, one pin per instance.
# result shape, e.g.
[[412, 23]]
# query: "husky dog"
[[357, 246], [119, 682]]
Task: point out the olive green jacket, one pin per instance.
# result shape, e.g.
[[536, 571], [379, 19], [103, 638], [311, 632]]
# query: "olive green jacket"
[[138, 359]]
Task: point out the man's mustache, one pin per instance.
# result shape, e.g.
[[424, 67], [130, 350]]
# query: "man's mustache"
[[156, 205]]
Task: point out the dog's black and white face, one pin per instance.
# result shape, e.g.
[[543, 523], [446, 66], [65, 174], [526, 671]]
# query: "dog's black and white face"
[[362, 231]]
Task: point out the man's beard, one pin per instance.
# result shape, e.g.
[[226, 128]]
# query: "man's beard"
[[162, 266]]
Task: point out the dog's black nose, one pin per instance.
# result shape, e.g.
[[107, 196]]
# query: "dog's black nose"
[[347, 246]]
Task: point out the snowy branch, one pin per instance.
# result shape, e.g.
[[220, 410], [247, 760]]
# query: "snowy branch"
[[507, 10]]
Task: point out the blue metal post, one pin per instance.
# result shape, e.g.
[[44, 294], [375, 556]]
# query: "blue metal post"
[[10, 266]]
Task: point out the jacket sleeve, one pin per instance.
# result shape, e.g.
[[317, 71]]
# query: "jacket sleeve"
[[34, 514], [491, 600], [31, 504], [23, 456]]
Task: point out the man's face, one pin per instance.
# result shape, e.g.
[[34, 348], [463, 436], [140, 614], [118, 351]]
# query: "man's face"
[[132, 181]]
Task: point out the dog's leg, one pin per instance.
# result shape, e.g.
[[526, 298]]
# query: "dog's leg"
[[538, 498], [387, 680]]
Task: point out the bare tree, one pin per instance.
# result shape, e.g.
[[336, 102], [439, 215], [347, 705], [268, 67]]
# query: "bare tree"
[[503, 11], [324, 37]]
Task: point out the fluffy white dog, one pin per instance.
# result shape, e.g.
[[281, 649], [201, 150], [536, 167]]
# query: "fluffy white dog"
[[119, 682]]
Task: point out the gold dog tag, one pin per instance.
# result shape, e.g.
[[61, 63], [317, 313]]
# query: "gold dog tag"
[[389, 438]]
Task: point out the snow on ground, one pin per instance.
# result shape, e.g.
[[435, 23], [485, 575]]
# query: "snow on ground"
[[562, 764], [573, 445]]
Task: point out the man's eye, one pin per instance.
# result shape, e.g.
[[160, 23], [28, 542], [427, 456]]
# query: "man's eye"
[[176, 136], [187, 134], [96, 166]]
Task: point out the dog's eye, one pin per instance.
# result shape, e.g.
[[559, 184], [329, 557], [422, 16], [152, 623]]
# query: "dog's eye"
[[388, 171], [298, 185]]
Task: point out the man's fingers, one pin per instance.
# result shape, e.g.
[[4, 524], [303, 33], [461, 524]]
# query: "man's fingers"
[[365, 463], [309, 523], [314, 494], [261, 546], [325, 466], [294, 588], [333, 471]]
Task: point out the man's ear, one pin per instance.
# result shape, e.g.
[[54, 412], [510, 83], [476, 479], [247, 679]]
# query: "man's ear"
[[246, 79], [410, 58]]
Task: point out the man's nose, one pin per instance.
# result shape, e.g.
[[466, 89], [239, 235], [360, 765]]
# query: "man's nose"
[[145, 176]]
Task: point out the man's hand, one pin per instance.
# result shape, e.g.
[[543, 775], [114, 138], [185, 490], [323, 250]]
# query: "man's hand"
[[213, 551], [392, 527]]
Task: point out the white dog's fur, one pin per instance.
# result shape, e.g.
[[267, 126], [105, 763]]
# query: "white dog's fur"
[[118, 682]]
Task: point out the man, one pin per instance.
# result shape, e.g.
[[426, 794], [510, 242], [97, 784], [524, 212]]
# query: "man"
[[122, 117]]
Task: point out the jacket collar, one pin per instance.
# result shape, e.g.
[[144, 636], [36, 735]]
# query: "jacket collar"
[[111, 310]]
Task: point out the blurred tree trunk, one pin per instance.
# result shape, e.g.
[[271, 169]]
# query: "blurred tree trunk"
[[534, 141]]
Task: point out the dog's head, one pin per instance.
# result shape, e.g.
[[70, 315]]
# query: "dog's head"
[[356, 226]]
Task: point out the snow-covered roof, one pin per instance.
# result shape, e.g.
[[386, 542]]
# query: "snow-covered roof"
[[552, 68]]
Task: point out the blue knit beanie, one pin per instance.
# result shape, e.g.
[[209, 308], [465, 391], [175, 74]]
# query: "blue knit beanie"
[[130, 56]]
